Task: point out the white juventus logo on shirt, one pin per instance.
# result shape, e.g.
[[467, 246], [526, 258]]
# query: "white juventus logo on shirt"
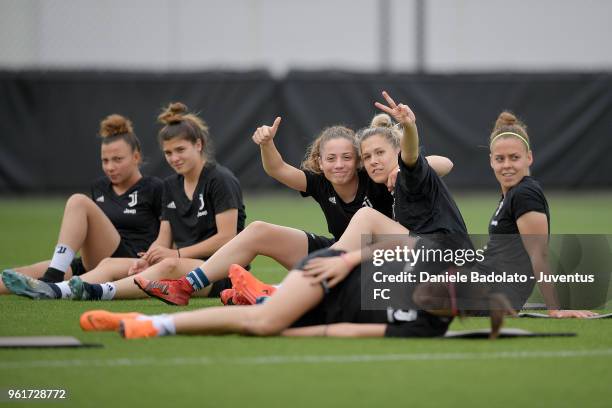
[[100, 199], [133, 199], [201, 197], [494, 222], [332, 200], [201, 211], [171, 206], [367, 203]]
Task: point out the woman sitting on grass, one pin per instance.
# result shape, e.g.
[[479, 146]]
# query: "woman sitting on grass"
[[331, 174], [117, 221]]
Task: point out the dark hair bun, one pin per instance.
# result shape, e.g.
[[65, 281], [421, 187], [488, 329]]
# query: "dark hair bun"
[[114, 125], [173, 113]]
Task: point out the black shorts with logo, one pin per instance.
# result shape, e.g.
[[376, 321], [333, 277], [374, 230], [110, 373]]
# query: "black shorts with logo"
[[316, 242]]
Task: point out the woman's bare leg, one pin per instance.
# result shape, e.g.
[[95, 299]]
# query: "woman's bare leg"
[[367, 221], [109, 270], [283, 244], [86, 228], [293, 299]]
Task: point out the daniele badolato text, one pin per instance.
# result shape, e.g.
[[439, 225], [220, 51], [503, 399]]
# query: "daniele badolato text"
[[393, 274]]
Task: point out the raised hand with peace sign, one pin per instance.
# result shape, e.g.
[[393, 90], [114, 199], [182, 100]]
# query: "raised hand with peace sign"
[[403, 115]]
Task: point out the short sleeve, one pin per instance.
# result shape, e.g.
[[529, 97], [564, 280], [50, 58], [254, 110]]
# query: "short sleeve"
[[413, 178], [157, 196], [314, 185], [165, 200], [527, 199], [225, 194]]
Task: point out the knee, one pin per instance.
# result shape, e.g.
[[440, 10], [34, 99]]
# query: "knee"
[[366, 213], [78, 200], [258, 324], [169, 263], [257, 229]]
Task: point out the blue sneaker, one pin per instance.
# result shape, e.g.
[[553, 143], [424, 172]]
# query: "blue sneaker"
[[83, 290], [76, 287], [27, 286]]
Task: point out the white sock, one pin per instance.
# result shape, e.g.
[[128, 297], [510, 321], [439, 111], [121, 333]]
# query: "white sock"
[[66, 292], [62, 257], [164, 324], [108, 291]]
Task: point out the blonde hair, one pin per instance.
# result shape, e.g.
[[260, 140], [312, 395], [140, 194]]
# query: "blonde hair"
[[508, 125], [313, 153], [382, 125]]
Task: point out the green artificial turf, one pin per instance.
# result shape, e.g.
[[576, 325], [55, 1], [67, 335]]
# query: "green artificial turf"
[[238, 371]]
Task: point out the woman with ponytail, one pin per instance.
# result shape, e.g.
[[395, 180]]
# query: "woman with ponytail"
[[322, 304], [201, 209], [520, 226], [119, 219], [331, 174]]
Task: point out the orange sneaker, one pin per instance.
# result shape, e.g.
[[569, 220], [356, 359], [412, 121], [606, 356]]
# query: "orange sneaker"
[[137, 328], [173, 292], [226, 296], [101, 320], [247, 286], [229, 297]]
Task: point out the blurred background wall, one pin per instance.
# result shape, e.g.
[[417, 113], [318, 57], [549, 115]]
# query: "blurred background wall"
[[65, 64]]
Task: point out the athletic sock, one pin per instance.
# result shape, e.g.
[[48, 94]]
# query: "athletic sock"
[[66, 293], [56, 290], [108, 291], [62, 257], [197, 279], [163, 323], [52, 275], [93, 290]]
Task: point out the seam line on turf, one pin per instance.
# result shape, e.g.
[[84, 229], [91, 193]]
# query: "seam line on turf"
[[307, 359]]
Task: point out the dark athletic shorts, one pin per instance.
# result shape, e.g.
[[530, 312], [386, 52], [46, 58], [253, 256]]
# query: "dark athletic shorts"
[[316, 242], [122, 251], [342, 303]]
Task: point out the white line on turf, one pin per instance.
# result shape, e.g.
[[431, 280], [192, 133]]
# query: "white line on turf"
[[307, 359]]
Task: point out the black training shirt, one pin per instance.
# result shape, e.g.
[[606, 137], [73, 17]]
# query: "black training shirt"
[[505, 246], [193, 221], [337, 213], [135, 213], [423, 203]]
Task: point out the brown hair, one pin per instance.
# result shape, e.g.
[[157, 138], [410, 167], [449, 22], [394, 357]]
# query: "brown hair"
[[179, 122], [508, 122], [116, 127], [313, 153], [381, 125]]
